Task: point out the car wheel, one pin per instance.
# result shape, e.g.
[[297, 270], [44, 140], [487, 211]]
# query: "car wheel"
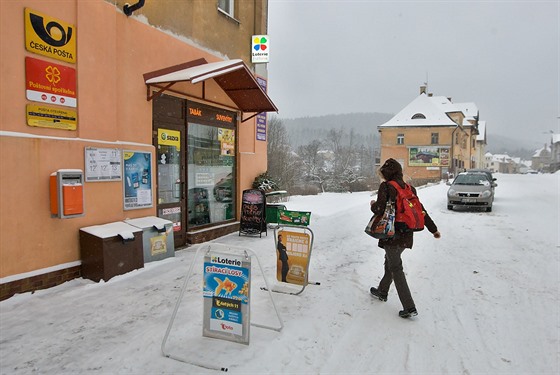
[[489, 209], [450, 207]]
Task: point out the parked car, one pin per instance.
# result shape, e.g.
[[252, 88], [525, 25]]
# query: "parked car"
[[488, 173], [471, 189]]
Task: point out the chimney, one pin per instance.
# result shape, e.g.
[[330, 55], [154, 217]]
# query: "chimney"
[[422, 89], [430, 94]]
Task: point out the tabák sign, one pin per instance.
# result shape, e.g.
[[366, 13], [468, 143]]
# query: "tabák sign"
[[51, 83]]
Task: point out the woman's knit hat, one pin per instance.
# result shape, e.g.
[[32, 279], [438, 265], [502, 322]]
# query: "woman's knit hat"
[[391, 170]]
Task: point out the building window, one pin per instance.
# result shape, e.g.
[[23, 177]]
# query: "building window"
[[211, 165], [435, 138], [400, 139], [227, 6], [418, 116]]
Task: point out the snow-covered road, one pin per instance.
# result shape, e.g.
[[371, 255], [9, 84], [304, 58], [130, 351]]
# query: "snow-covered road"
[[487, 293]]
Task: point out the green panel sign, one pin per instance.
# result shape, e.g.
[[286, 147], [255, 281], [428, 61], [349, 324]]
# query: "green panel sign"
[[294, 217]]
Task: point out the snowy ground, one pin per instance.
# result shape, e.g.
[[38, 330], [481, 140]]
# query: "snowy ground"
[[487, 293]]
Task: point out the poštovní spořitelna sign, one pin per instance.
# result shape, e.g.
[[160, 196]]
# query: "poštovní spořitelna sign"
[[50, 83], [48, 36], [226, 291]]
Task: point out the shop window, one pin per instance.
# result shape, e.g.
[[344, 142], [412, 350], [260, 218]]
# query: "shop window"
[[210, 171], [227, 6], [435, 138], [400, 139]]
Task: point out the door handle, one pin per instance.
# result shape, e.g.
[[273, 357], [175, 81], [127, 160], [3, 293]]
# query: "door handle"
[[178, 191]]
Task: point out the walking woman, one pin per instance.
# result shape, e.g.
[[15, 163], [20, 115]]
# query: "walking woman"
[[394, 247]]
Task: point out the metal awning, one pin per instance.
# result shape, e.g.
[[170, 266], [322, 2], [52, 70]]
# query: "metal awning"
[[232, 76]]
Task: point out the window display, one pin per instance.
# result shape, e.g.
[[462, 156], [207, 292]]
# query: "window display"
[[211, 166]]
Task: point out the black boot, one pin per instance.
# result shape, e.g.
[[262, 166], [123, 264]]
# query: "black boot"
[[376, 293], [407, 313]]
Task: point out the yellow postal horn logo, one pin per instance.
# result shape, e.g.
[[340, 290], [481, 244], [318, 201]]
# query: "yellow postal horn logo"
[[52, 33], [47, 36]]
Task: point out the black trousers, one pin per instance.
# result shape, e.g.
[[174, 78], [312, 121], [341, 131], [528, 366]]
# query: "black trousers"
[[394, 272], [285, 269]]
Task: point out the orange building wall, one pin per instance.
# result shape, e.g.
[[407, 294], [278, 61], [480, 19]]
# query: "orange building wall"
[[413, 136], [113, 53]]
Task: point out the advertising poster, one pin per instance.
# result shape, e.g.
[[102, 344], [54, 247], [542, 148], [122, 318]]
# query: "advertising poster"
[[261, 117], [292, 250], [227, 141], [137, 179], [158, 244], [302, 218], [226, 287], [428, 156]]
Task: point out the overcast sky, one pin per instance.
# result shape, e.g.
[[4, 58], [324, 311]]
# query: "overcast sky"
[[343, 56]]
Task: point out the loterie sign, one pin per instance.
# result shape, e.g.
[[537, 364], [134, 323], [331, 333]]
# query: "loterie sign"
[[227, 279]]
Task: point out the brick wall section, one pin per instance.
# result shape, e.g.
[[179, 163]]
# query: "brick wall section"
[[38, 282]]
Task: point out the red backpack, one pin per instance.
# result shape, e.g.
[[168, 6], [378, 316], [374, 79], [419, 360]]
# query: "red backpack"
[[408, 208]]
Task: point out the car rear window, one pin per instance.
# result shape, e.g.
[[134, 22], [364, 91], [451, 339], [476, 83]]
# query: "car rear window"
[[471, 179]]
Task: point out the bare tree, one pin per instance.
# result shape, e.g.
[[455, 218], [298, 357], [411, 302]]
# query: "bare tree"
[[283, 164], [312, 163]]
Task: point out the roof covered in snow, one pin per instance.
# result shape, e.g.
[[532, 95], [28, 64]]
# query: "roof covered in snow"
[[541, 151], [504, 158], [470, 110], [481, 137], [424, 111]]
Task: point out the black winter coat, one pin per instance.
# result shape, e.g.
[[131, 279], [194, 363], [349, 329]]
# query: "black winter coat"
[[401, 239]]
